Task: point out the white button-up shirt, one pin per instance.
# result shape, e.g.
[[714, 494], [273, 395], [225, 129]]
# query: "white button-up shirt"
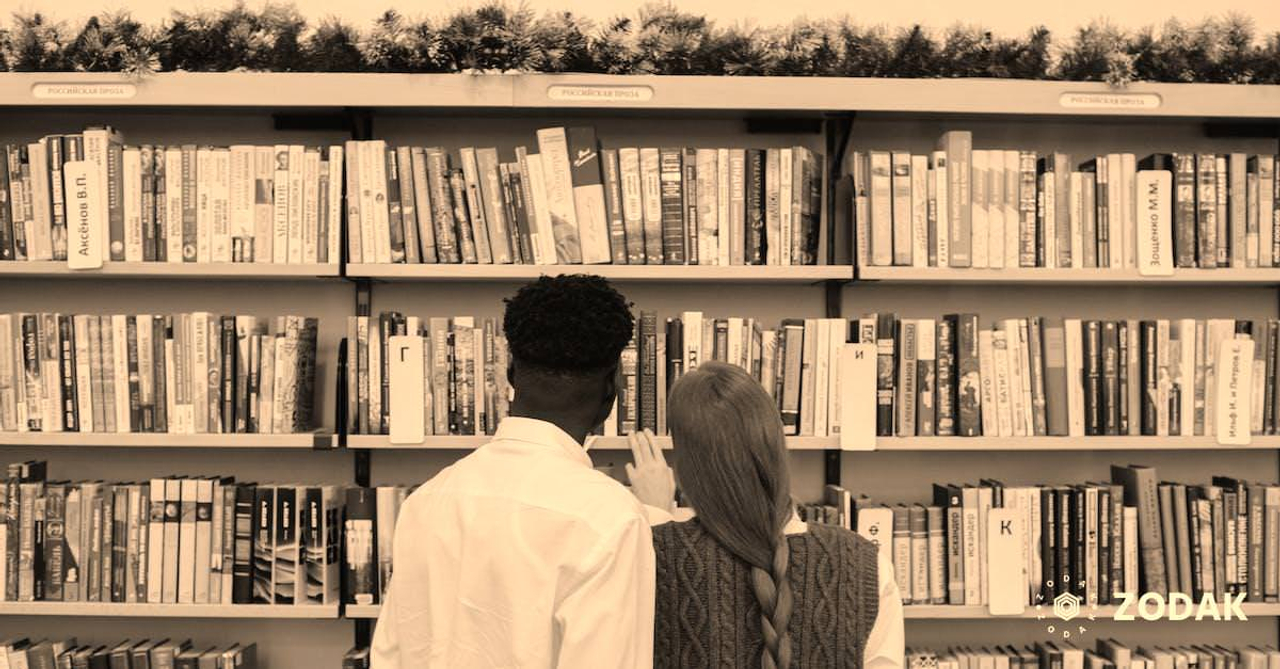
[[520, 555]]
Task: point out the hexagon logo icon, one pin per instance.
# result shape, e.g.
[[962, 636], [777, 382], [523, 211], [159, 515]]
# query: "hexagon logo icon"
[[1066, 606]]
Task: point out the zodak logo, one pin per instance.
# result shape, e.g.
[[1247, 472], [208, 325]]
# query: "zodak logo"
[[1150, 606]]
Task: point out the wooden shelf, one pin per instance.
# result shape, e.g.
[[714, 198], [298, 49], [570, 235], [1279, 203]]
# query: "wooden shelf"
[[666, 273], [113, 610], [306, 440], [357, 611], [1099, 443], [1085, 276], [464, 443], [48, 269], [947, 612], [626, 93]]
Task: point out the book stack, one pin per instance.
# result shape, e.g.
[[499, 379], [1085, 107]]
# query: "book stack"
[[1097, 540], [181, 540], [464, 375], [1006, 208], [1036, 376], [570, 202], [128, 654], [370, 532], [186, 373], [1108, 653], [796, 362], [89, 198]]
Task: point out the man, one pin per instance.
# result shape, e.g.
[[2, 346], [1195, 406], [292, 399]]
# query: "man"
[[521, 554]]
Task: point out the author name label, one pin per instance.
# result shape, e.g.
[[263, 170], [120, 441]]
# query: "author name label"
[[567, 93], [81, 91], [1109, 100]]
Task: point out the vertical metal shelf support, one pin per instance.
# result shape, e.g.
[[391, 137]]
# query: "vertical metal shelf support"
[[836, 130]]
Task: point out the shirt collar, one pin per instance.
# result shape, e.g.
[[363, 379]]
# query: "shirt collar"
[[543, 433]]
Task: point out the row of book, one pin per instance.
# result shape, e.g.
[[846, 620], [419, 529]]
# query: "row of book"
[[1006, 208], [1008, 547], [88, 197], [180, 373], [180, 540], [1072, 377], [1107, 653], [571, 202], [465, 389], [68, 653]]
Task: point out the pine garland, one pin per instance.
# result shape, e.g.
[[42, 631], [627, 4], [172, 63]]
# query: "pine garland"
[[659, 39]]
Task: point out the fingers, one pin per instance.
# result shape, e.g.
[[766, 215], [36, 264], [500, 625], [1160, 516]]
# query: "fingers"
[[631, 473], [639, 452], [655, 451]]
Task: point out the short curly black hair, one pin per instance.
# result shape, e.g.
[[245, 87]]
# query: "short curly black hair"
[[568, 324]]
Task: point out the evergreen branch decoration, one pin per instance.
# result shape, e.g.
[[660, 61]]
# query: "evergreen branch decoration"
[[657, 39]]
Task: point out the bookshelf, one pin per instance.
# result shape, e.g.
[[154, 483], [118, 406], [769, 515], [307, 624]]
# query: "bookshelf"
[[1067, 277], [98, 609], [456, 443], [502, 110], [161, 270], [796, 274], [316, 440]]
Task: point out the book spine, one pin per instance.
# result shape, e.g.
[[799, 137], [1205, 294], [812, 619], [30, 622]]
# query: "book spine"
[[670, 178], [614, 206], [651, 195], [967, 378], [553, 147], [588, 194], [754, 199]]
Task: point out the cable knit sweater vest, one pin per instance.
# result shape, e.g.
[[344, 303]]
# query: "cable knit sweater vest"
[[707, 616]]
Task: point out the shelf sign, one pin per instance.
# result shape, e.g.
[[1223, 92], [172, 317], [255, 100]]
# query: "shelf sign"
[[858, 397], [84, 91], [1109, 100], [408, 389], [599, 93]]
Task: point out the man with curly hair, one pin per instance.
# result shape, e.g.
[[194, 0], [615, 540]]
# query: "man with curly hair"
[[521, 554]]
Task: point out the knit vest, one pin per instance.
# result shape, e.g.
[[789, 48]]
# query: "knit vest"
[[707, 615]]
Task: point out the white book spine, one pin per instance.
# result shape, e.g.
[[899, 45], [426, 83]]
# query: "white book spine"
[[981, 227], [84, 390], [40, 223], [311, 205], [8, 395], [475, 205], [297, 203], [1129, 175], [987, 375], [214, 595], [553, 146], [1116, 209], [240, 184], [120, 348], [919, 211], [944, 208], [724, 235], [187, 546], [170, 390], [199, 347], [1003, 404], [822, 378], [364, 159], [1048, 201], [1015, 353], [219, 201], [173, 204], [972, 552], [336, 162], [995, 209], [709, 210], [131, 182], [204, 204], [267, 377], [1266, 211], [95, 153], [1130, 533], [1075, 370], [545, 241], [785, 177], [839, 329], [155, 541], [280, 204], [1012, 228]]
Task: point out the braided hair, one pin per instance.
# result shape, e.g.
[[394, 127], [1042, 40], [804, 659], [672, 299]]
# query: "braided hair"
[[731, 460]]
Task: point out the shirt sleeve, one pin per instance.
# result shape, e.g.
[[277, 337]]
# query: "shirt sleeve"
[[885, 644], [606, 619]]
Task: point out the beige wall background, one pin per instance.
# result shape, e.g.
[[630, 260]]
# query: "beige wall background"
[[1002, 16]]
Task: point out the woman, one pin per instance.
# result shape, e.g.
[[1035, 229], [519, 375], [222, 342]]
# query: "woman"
[[744, 583]]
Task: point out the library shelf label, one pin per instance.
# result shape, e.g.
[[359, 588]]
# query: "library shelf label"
[[1085, 100], [858, 393], [84, 91], [599, 93]]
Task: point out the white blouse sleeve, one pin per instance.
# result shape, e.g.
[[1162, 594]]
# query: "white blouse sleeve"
[[884, 649]]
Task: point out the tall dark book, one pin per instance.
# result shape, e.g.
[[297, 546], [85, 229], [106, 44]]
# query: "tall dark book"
[[754, 196], [395, 220], [886, 327], [1064, 561], [162, 330], [1035, 355], [675, 345], [689, 186], [670, 176], [243, 558], [1091, 346], [1111, 365], [264, 502], [968, 379], [648, 363], [790, 347], [946, 397], [361, 547], [115, 194], [949, 498], [1105, 549], [135, 398], [70, 408], [227, 362], [613, 206], [442, 211], [1048, 545], [1150, 383], [6, 218], [1140, 491], [1080, 576], [1053, 340]]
